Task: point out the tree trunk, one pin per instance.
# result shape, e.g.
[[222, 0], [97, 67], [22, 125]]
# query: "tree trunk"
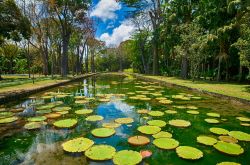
[[45, 62], [87, 60], [184, 67], [219, 68], [92, 60], [64, 58], [78, 61], [155, 58], [240, 74]]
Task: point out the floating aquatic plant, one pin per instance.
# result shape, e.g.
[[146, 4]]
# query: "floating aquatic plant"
[[162, 134], [242, 136], [212, 121], [228, 139], [179, 123], [77, 145], [127, 157], [84, 111], [94, 118], [103, 132], [111, 125], [218, 131], [65, 123], [156, 113], [159, 123], [138, 140], [58, 109], [187, 152], [213, 114], [229, 148], [148, 129], [100, 152], [37, 118], [206, 140], [126, 120], [8, 120], [166, 143]]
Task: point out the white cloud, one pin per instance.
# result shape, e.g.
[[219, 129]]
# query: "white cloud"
[[119, 34], [105, 9]]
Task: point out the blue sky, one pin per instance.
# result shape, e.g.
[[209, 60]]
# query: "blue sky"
[[111, 20]]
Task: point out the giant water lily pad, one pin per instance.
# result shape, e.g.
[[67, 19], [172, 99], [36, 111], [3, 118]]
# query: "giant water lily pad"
[[34, 125], [65, 123], [170, 112], [57, 109], [149, 129], [103, 132], [143, 111], [166, 143], [244, 119], [229, 148], [187, 152], [179, 123], [162, 134], [138, 140], [124, 120], [53, 115], [80, 97], [228, 139], [193, 112], [100, 152], [242, 136], [49, 106], [94, 118], [81, 101], [127, 157], [111, 125], [159, 123], [218, 131], [212, 121], [6, 114], [206, 140], [156, 113], [37, 119], [77, 145], [228, 163], [8, 120], [84, 111], [41, 112], [213, 114]]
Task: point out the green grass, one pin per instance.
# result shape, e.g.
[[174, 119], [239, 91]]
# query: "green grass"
[[229, 89]]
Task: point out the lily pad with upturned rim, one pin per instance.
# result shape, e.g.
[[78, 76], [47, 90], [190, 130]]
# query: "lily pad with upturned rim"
[[111, 125], [228, 139], [49, 106], [127, 157], [244, 119], [228, 163], [219, 131], [143, 111], [37, 118], [41, 112], [211, 114], [34, 125], [148, 129], [162, 134], [229, 148], [125, 120], [156, 113], [138, 140], [94, 118], [77, 145], [212, 121], [100, 152], [166, 143], [190, 153], [239, 135], [8, 120], [245, 124], [84, 111], [65, 123], [193, 112], [170, 112], [159, 123], [53, 115], [179, 123], [206, 140], [58, 109], [103, 132]]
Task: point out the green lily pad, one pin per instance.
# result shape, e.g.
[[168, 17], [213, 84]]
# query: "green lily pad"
[[159, 123], [6, 114], [124, 120], [206, 140], [156, 113], [81, 101], [138, 140], [179, 123], [193, 112], [213, 114], [41, 112], [100, 152], [111, 125], [162, 134], [242, 136], [245, 124], [84, 111], [143, 111], [77, 145], [37, 118], [148, 129], [63, 112], [212, 121], [65, 123], [94, 118], [80, 97], [166, 143], [53, 115], [228, 163], [187, 152], [170, 112], [127, 157], [57, 109], [8, 120], [245, 119], [34, 125], [49, 106], [47, 97], [218, 131], [228, 139], [103, 132], [229, 148]]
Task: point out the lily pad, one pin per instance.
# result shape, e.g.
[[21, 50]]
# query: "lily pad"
[[218, 131], [162, 134], [111, 125], [229, 148], [206, 140], [138, 140], [84, 111], [100, 152], [58, 109], [124, 120], [103, 132], [34, 125], [49, 106], [213, 114], [63, 112], [143, 111], [245, 124], [148, 129], [41, 112], [65, 123], [81, 101], [193, 112], [127, 157], [187, 152], [77, 145], [8, 120], [212, 121], [166, 101], [80, 97], [228, 139], [156, 113], [179, 123], [53, 115], [170, 112], [166, 143], [228, 163], [94, 118], [6, 114], [242, 136], [159, 123], [245, 119], [37, 118]]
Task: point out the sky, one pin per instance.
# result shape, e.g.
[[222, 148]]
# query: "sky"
[[112, 24]]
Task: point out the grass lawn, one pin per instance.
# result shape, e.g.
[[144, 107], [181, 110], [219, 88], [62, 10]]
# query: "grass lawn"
[[229, 89]]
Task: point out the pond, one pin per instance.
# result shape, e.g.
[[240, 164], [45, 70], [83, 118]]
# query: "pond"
[[182, 116]]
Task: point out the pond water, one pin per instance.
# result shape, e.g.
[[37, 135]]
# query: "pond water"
[[115, 97]]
